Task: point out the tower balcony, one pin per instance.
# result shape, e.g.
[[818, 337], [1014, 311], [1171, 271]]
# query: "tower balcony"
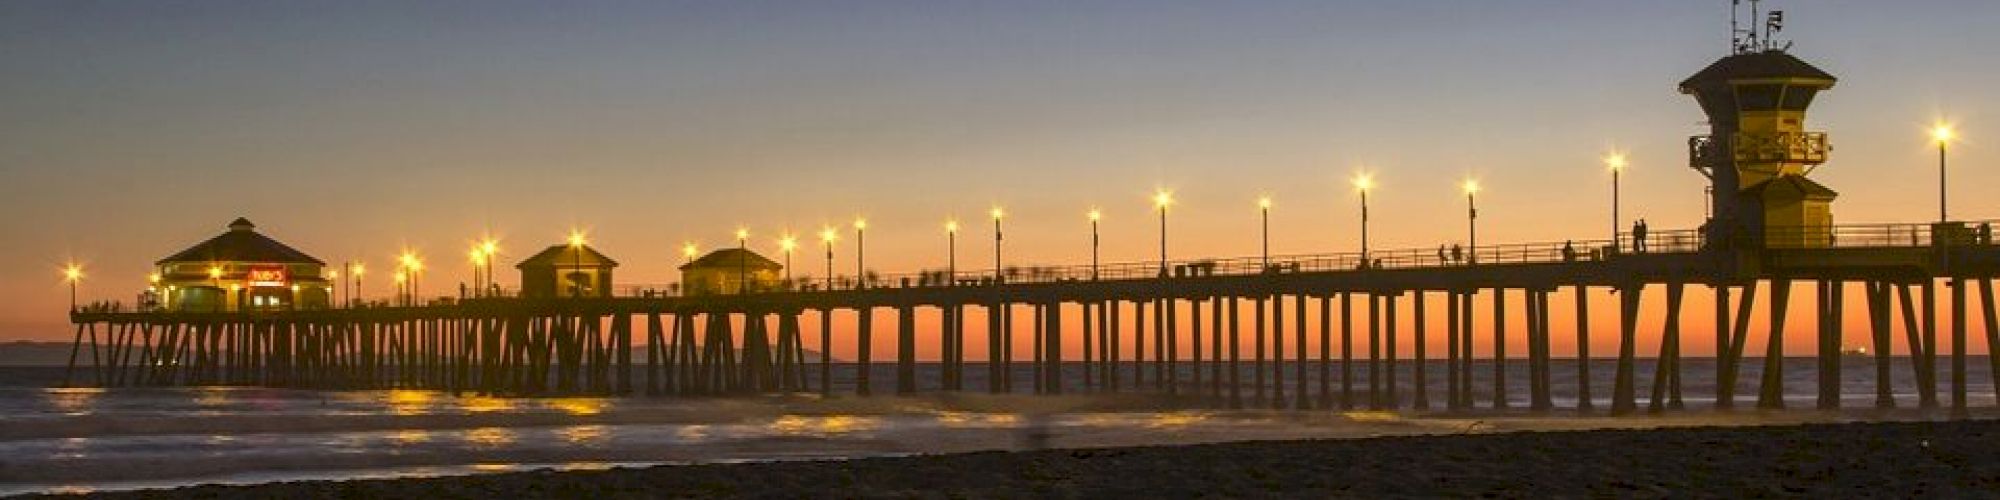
[[1780, 147]]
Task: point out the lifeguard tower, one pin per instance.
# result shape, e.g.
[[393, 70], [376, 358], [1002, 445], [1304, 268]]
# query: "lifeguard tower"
[[1758, 152]]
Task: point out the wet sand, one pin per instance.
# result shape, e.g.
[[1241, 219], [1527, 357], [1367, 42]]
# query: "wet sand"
[[1819, 460]]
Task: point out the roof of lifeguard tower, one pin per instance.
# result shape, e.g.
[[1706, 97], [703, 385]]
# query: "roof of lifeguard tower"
[[1792, 185], [242, 243], [733, 258], [1755, 65], [565, 256]]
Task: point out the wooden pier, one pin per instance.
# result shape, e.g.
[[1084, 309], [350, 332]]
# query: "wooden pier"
[[754, 343]]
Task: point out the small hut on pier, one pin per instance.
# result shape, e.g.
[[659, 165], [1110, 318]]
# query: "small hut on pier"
[[726, 271], [566, 271], [240, 270]]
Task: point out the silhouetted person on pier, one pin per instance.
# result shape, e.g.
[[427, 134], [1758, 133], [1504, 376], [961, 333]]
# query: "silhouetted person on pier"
[[1639, 236], [1441, 256], [1985, 233], [1457, 253], [1569, 251]]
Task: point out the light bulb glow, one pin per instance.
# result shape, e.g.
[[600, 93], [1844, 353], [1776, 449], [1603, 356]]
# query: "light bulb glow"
[[1470, 186], [1942, 133], [1615, 161]]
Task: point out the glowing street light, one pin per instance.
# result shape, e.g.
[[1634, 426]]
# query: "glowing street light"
[[1616, 163], [951, 252], [354, 271], [412, 267], [787, 244], [577, 241], [477, 256], [1094, 215], [689, 250], [491, 248], [1264, 209], [860, 252], [1362, 184], [1471, 188], [1943, 134], [997, 215], [1161, 200], [742, 261], [826, 237], [72, 273]]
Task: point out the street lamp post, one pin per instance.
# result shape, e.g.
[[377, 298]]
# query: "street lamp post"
[[1471, 222], [478, 259], [354, 270], [787, 244], [1616, 162], [72, 273], [1094, 215], [742, 261], [492, 250], [951, 252], [1162, 199], [576, 244], [860, 249], [1362, 184], [1264, 212], [997, 215], [1942, 133], [826, 236]]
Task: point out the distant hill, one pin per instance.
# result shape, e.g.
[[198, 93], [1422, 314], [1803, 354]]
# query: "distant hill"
[[30, 353]]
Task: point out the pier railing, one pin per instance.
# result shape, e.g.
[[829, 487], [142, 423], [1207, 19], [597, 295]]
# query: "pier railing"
[[1883, 235]]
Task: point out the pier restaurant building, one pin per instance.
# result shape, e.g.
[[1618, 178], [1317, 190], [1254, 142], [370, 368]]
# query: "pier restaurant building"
[[240, 270]]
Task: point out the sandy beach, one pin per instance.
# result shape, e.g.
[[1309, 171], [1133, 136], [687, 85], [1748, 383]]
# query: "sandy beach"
[[1810, 460]]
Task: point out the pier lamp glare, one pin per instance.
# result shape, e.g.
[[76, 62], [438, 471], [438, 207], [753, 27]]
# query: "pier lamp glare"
[[998, 213], [1264, 202], [688, 249], [742, 234], [401, 277], [489, 247], [951, 226], [788, 243], [1470, 186], [153, 278], [1163, 198], [1616, 161], [827, 235], [1942, 133], [576, 238], [72, 273], [477, 256], [214, 272], [1095, 215], [358, 269], [860, 224], [1364, 182]]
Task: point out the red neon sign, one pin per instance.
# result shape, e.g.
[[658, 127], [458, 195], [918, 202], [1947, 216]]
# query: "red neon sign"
[[268, 276]]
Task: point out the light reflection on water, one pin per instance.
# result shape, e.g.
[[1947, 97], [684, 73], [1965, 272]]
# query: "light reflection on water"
[[580, 406], [73, 401], [585, 435], [490, 437], [831, 425]]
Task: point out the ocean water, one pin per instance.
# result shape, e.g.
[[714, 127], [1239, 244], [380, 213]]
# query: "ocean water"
[[82, 439]]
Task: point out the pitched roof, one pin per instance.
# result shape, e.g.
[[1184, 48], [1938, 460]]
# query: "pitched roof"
[[1794, 185], [242, 244], [1754, 65], [563, 256], [732, 258]]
